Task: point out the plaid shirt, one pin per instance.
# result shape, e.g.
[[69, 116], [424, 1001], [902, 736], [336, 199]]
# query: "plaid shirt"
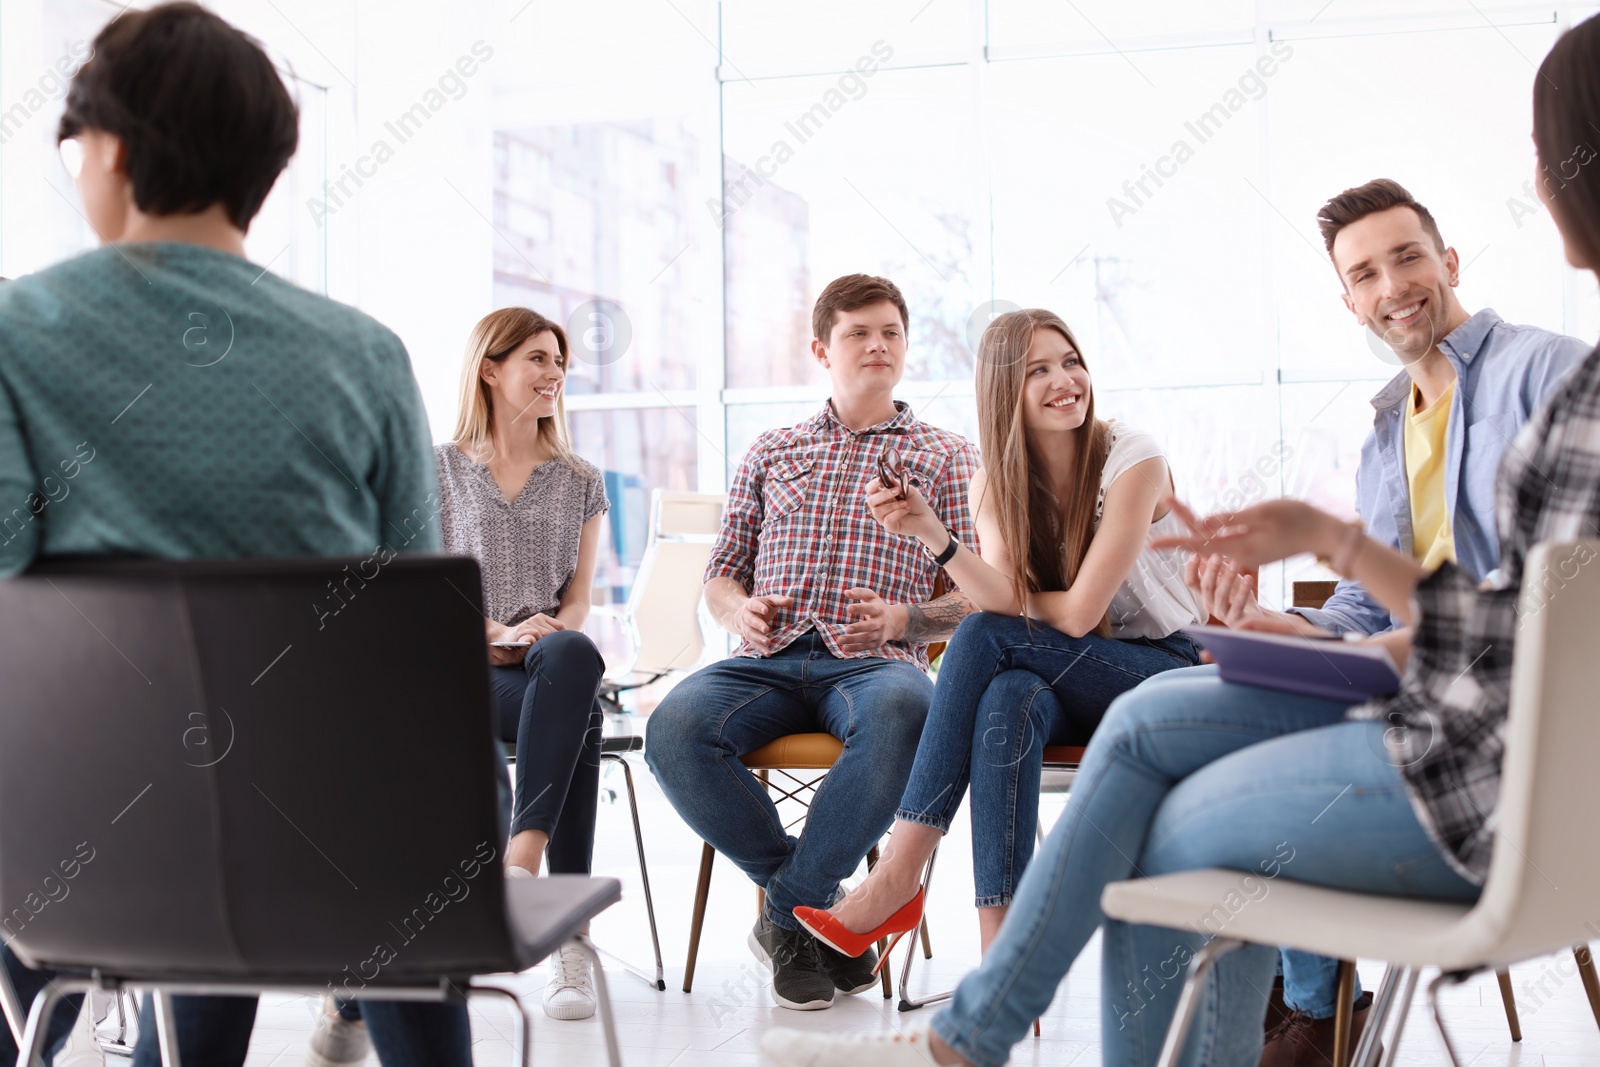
[[1448, 721], [797, 523]]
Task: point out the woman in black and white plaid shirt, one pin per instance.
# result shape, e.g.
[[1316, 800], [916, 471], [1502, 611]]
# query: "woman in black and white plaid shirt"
[[1395, 797]]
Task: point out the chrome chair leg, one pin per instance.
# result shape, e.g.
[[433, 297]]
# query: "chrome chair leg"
[[1382, 1004], [907, 1002], [521, 1043], [16, 1017], [1189, 998], [126, 1003], [166, 1029], [608, 1022], [1452, 978], [1402, 1008], [660, 980], [30, 1050]]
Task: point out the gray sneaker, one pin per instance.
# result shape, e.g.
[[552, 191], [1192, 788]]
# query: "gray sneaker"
[[799, 980], [337, 1041]]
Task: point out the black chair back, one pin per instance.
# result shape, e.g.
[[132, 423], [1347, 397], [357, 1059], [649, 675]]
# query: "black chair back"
[[262, 769]]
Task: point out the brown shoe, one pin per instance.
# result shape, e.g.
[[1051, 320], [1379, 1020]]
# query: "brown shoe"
[[1301, 1041], [1277, 1009]]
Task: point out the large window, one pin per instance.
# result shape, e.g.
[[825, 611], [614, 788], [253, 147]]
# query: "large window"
[[676, 182], [1149, 171]]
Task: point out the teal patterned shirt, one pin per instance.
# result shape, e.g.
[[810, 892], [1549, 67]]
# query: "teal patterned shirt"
[[175, 401]]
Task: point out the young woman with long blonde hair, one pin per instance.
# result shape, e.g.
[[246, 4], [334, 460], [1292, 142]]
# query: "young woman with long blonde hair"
[[1075, 609], [515, 497]]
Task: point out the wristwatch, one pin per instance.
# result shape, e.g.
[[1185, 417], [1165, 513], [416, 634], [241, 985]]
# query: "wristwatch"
[[949, 552]]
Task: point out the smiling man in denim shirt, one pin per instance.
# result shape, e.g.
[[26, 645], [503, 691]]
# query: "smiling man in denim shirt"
[[1426, 480]]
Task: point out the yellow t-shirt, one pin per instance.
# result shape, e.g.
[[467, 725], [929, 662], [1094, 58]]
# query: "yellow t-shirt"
[[1432, 541]]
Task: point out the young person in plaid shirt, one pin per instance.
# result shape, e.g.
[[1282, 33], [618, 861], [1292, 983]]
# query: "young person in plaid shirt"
[[1395, 797], [835, 616]]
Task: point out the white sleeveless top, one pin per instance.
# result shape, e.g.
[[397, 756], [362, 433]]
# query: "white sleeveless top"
[[1153, 601]]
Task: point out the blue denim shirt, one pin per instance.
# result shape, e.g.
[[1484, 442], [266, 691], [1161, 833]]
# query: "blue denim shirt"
[[1503, 375]]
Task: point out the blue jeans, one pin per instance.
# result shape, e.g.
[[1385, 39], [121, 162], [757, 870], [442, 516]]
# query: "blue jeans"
[[547, 706], [1310, 982], [1184, 774], [695, 738], [1006, 689]]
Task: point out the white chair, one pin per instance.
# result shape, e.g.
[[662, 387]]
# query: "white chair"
[[662, 616], [1545, 873]]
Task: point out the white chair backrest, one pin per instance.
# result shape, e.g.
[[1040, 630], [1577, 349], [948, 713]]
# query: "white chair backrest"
[[1544, 880], [663, 608], [683, 516]]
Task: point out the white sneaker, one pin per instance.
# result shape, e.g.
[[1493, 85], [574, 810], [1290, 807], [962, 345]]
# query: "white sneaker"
[[570, 993], [337, 1042], [816, 1048]]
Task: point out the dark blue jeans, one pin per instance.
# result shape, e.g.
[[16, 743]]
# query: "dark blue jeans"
[[1006, 689], [547, 706], [216, 1030], [695, 738]]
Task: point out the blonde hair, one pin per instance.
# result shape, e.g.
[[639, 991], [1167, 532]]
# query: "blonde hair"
[[1046, 538], [496, 336]]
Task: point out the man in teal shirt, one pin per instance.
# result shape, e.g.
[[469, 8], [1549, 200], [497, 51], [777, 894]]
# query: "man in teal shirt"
[[164, 397]]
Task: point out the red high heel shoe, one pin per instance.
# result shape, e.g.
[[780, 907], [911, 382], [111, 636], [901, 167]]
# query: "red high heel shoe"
[[820, 924]]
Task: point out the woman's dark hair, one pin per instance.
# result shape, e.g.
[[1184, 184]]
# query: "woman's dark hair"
[[1566, 104], [201, 112]]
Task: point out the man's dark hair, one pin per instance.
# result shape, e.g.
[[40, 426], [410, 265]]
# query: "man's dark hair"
[[851, 292], [1566, 97], [1380, 194], [202, 114]]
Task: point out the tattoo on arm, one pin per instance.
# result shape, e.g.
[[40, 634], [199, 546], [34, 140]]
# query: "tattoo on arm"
[[937, 619]]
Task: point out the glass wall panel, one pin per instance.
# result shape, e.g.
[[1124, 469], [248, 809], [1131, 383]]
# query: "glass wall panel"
[[597, 223], [284, 237], [638, 450], [1109, 24], [1134, 218], [1466, 152], [760, 38], [824, 177]]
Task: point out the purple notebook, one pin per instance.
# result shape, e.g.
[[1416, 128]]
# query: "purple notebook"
[[1335, 670]]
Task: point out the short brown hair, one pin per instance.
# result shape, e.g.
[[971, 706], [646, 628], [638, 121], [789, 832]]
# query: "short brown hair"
[[851, 292], [1565, 94], [1380, 194], [202, 114]]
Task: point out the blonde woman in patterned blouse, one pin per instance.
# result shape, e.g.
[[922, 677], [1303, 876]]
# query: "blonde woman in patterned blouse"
[[514, 497]]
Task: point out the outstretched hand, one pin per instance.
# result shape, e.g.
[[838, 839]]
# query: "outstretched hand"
[[1262, 533]]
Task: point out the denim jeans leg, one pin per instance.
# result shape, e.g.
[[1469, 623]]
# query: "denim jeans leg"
[[214, 1031], [1013, 726], [1148, 965], [409, 1034], [547, 706], [27, 983], [939, 774], [1311, 983], [876, 707], [693, 742], [1150, 740], [1323, 806]]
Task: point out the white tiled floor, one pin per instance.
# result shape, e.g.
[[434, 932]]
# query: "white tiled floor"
[[720, 1023]]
